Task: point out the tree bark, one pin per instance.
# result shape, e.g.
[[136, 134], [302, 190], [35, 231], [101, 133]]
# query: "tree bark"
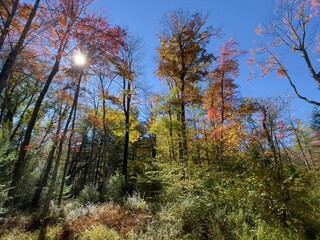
[[20, 163], [45, 175], [300, 147], [69, 147], [51, 190], [126, 107], [184, 134]]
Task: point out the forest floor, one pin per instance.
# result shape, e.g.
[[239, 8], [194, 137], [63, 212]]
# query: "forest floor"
[[106, 221]]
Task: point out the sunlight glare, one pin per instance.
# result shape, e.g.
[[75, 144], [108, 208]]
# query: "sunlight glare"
[[79, 59]]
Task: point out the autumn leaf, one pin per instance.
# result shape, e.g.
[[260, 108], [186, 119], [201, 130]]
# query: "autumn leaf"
[[281, 72]]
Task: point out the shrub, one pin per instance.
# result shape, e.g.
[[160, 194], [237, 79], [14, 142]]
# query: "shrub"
[[115, 187], [74, 211], [110, 216], [271, 232], [135, 202], [21, 235], [89, 194], [100, 232], [167, 224], [196, 217], [145, 178]]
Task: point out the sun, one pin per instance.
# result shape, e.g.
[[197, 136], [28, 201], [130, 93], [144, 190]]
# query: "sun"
[[79, 59]]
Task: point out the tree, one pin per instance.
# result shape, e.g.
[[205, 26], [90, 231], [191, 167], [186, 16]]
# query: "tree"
[[11, 59], [164, 127], [270, 130], [63, 107], [315, 121], [128, 70], [304, 143], [220, 99], [183, 61], [22, 86], [293, 29], [8, 10], [67, 17], [101, 45]]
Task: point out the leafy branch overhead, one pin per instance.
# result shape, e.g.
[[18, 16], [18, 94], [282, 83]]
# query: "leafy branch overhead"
[[292, 30]]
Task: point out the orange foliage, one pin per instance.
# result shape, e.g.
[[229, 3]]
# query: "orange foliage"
[[315, 5], [211, 113], [115, 217], [281, 72]]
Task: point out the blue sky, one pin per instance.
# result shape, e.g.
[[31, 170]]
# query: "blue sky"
[[239, 19]]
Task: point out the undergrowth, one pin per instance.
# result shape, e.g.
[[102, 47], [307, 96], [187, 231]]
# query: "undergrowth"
[[204, 204]]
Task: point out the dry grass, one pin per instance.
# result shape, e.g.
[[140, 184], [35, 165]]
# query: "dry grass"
[[113, 217]]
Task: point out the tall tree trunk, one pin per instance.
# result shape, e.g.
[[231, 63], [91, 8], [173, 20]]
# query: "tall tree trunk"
[[309, 151], [104, 145], [73, 171], [126, 107], [13, 134], [198, 157], [45, 174], [92, 156], [306, 162], [43, 178], [171, 146], [180, 140], [66, 164], [125, 154], [184, 134], [51, 190], [96, 177], [221, 140], [20, 163], [46, 205], [207, 146], [183, 124], [271, 143], [11, 110], [153, 146]]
